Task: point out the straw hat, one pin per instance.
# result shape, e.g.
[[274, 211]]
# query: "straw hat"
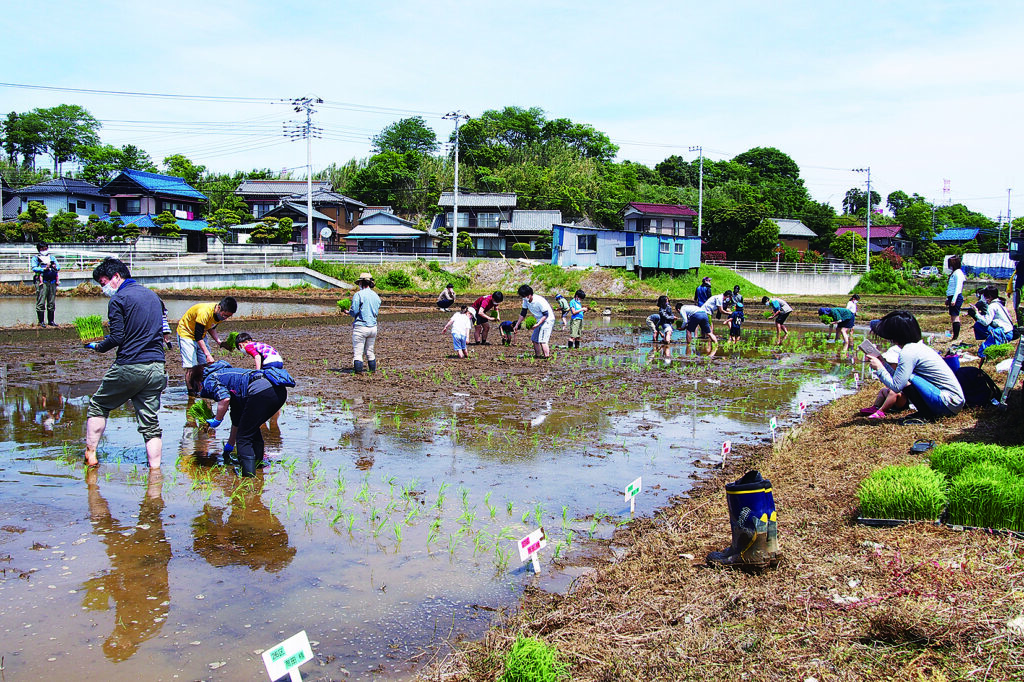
[[365, 277]]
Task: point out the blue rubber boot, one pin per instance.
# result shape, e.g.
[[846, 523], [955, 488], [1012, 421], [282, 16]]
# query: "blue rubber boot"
[[755, 537], [357, 366], [371, 365]]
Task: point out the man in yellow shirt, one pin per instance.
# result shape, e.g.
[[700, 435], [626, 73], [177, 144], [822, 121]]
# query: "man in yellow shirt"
[[194, 325]]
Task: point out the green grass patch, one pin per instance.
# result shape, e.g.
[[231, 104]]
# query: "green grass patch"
[[531, 660], [883, 279], [682, 285], [903, 492], [952, 458], [987, 495]]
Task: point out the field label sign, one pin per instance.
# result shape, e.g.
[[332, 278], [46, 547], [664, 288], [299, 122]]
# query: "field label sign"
[[530, 545], [632, 490], [287, 656]]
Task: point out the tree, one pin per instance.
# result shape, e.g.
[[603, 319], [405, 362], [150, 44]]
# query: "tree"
[[24, 137], [284, 230], [167, 225], [180, 167], [916, 219], [675, 170], [899, 200], [444, 243], [389, 179], [820, 217], [768, 163], [407, 135], [266, 231], [61, 228], [68, 128], [727, 225], [223, 218], [102, 163], [849, 247], [759, 243], [856, 201]]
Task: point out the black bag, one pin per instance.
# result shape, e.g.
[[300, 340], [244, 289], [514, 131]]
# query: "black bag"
[[278, 376], [979, 389]]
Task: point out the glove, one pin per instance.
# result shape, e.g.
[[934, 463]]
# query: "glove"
[[214, 423], [92, 346], [228, 448]]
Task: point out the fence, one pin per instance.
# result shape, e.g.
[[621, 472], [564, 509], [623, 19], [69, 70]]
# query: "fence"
[[833, 268]]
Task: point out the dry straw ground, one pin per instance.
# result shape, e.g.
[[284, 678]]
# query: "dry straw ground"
[[919, 602]]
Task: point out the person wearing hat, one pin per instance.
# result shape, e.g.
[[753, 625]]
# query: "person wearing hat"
[[703, 292], [365, 306], [842, 318]]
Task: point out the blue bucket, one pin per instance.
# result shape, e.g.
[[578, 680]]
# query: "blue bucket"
[[953, 361]]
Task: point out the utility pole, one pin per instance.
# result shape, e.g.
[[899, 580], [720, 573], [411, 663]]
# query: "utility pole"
[[306, 130], [867, 230], [700, 189], [457, 116], [1009, 220]]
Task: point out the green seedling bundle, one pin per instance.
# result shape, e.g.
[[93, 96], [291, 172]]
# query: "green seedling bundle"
[[987, 495], [90, 328], [200, 411], [952, 458], [915, 493], [231, 343]]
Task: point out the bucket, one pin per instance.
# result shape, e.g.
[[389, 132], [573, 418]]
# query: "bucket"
[[953, 361]]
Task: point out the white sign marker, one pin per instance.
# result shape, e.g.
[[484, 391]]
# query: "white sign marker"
[[856, 379], [531, 545], [833, 390], [726, 449], [803, 408], [773, 424], [632, 490], [287, 656]]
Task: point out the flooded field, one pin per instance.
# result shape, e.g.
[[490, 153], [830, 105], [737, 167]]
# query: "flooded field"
[[387, 521]]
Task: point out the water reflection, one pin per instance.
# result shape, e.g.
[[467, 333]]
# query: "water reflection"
[[137, 578], [50, 402]]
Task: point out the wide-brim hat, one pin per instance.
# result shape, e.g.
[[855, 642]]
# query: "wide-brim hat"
[[365, 277]]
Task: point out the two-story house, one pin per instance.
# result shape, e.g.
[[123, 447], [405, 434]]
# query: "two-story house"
[[342, 212], [492, 220], [64, 194], [266, 195], [134, 194], [882, 237]]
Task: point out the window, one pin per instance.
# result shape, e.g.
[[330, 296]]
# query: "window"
[[260, 210], [71, 207], [663, 247], [586, 242], [655, 223], [487, 219], [132, 206], [463, 219], [623, 251], [173, 206], [81, 203], [679, 247]]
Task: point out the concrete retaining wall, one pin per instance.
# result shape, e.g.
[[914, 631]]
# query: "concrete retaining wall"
[[200, 277], [792, 283]]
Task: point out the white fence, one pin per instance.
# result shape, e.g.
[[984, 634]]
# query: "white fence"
[[802, 268]]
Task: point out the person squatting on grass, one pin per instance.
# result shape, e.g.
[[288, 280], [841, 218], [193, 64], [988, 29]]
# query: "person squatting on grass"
[[46, 276], [576, 312], [921, 377], [138, 373], [541, 310], [198, 321], [364, 309], [780, 311], [955, 295], [447, 297], [460, 323]]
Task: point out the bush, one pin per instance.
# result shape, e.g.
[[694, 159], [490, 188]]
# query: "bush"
[[890, 256], [903, 492], [519, 246], [812, 256], [395, 279], [531, 660], [711, 256], [790, 255], [883, 279], [434, 266]]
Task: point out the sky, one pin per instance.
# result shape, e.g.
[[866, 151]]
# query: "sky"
[[924, 93]]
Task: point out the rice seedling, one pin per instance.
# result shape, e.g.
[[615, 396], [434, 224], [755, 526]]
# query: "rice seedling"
[[903, 492], [953, 458], [89, 327], [396, 529], [987, 495]]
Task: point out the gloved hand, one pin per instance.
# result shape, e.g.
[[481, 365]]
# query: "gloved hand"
[[228, 448], [92, 346], [214, 423]]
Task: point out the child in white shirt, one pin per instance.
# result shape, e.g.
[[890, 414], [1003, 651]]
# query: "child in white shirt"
[[461, 323]]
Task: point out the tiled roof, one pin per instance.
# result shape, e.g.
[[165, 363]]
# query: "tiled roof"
[[877, 231], [533, 221], [662, 209], [279, 188], [481, 200], [11, 208], [957, 234], [301, 208], [793, 228], [324, 196], [145, 220], [384, 232], [63, 186], [163, 184], [395, 220]]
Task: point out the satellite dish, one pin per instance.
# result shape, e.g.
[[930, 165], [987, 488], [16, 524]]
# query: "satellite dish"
[[326, 232]]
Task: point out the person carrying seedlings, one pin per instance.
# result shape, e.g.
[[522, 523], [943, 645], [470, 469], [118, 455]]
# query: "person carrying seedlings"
[[364, 309], [703, 292], [717, 305], [460, 323], [576, 312], [252, 399], [264, 354], [842, 318], [737, 299], [198, 321], [486, 308], [921, 377], [46, 277], [780, 311], [447, 297], [563, 310], [138, 373], [955, 295], [507, 329], [545, 320]]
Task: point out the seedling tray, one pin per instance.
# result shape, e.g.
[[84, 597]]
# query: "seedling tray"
[[891, 523]]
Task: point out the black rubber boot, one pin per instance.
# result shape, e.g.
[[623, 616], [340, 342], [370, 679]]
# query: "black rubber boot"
[[39, 314], [49, 316], [755, 541], [357, 366], [372, 364], [577, 343], [956, 331]]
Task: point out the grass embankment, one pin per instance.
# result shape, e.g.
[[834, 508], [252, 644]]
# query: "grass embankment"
[[849, 602]]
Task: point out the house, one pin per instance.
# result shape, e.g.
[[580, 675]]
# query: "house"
[[956, 236], [63, 194], [481, 216], [342, 212], [139, 193], [383, 232], [9, 201], [263, 196], [655, 237], [527, 226], [297, 212], [794, 234], [882, 237]]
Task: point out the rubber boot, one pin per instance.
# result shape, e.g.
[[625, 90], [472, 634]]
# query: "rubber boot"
[[357, 366], [372, 364], [49, 316], [577, 342], [752, 516], [39, 314], [956, 331]]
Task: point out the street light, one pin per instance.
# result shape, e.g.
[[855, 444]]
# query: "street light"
[[456, 116]]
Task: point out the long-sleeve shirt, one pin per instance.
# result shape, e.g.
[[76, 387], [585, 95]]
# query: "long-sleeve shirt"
[[365, 306], [955, 285], [135, 315], [222, 381], [996, 316], [39, 264], [917, 358]]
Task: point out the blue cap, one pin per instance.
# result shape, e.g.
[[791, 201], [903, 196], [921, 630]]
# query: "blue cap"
[[825, 311]]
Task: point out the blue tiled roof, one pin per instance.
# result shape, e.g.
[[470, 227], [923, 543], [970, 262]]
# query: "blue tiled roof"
[[146, 220], [164, 184], [957, 234]]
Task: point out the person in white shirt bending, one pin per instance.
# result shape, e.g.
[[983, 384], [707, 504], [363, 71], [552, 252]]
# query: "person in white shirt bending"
[[541, 310]]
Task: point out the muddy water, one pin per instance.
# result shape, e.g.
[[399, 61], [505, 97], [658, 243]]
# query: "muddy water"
[[382, 530], [21, 310]]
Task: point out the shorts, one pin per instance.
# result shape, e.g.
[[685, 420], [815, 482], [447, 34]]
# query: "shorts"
[[735, 331], [542, 332], [191, 356], [699, 320], [575, 328], [459, 342], [782, 317], [954, 307], [480, 321], [846, 324]]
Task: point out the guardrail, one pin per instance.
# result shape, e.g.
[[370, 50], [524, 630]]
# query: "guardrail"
[[803, 268]]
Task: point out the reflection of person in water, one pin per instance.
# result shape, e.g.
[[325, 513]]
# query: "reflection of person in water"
[[51, 408], [250, 535], [137, 579]]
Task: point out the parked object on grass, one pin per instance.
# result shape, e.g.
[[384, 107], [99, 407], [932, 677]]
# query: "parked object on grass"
[[755, 536]]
